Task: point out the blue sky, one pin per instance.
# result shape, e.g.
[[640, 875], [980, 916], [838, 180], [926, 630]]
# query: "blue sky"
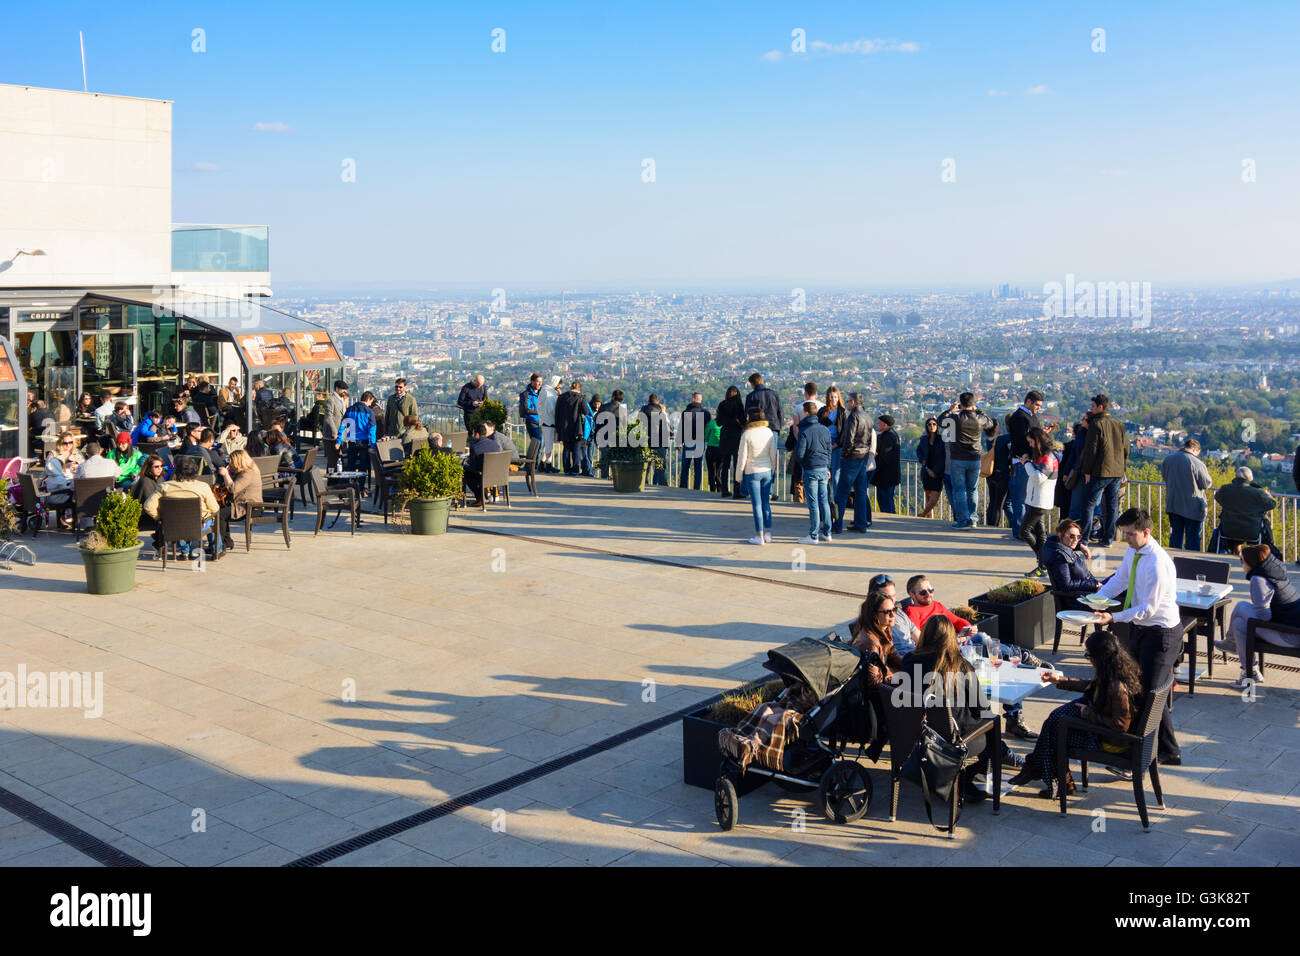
[[821, 167]]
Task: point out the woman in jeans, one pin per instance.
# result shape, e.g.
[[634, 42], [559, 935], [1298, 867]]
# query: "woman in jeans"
[[832, 416], [1040, 470], [755, 465]]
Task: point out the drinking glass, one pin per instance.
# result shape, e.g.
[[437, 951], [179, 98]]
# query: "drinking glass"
[[1013, 654], [994, 651]]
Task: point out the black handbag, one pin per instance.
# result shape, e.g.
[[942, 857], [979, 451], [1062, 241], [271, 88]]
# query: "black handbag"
[[934, 765]]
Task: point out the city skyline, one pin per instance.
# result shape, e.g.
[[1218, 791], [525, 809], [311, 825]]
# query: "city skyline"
[[959, 148]]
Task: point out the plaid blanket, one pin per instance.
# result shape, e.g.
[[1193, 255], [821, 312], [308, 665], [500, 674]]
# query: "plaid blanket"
[[763, 734]]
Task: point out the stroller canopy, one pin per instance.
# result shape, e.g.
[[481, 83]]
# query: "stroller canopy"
[[817, 662]]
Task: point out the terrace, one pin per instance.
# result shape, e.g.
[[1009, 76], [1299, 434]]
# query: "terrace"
[[291, 700]]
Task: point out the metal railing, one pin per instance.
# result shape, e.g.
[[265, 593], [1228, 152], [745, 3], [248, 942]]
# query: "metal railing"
[[909, 498]]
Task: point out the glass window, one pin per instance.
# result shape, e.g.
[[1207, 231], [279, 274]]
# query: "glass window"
[[95, 317], [9, 423]]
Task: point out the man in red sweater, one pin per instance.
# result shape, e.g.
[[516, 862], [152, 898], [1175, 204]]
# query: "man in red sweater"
[[923, 605]]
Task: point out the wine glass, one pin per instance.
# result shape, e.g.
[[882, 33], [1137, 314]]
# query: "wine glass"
[[1013, 653], [994, 651]]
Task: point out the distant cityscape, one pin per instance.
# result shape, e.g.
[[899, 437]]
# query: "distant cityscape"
[[1223, 366]]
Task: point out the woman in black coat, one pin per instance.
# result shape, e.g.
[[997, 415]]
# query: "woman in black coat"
[[887, 474], [933, 459], [732, 420]]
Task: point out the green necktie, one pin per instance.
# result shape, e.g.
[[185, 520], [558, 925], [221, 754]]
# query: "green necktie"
[[1132, 581]]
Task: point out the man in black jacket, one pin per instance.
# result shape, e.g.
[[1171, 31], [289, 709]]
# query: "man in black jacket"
[[569, 411], [766, 400], [888, 467], [695, 418], [1018, 424], [472, 394], [655, 422], [961, 427], [857, 445]]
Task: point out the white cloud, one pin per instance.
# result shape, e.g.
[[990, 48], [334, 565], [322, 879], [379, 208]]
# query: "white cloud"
[[997, 92], [1038, 90], [275, 127], [772, 55]]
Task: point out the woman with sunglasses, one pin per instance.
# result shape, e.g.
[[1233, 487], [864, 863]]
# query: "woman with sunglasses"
[[873, 633], [60, 468], [153, 472], [1107, 701], [933, 459], [1066, 558]]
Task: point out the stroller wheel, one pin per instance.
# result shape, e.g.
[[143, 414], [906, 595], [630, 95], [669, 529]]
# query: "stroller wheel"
[[845, 791], [725, 803], [33, 525]]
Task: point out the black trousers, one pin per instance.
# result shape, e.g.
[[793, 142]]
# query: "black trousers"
[[1033, 530], [1157, 650], [997, 491], [713, 458]]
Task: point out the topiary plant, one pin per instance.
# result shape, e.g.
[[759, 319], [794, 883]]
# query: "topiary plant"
[[1015, 592], [631, 445], [117, 525], [429, 474], [490, 411]]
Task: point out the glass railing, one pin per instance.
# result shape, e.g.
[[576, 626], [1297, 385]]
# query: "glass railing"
[[200, 248]]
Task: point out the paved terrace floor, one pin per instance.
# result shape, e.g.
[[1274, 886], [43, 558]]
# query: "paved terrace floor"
[[522, 636]]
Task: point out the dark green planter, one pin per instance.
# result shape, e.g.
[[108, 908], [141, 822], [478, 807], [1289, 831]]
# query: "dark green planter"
[[111, 571], [629, 476], [429, 515], [1029, 624]]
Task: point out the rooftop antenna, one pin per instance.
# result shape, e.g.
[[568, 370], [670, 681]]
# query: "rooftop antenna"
[[82, 37]]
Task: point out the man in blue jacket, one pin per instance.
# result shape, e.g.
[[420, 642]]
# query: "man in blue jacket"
[[529, 413], [813, 452], [358, 432]]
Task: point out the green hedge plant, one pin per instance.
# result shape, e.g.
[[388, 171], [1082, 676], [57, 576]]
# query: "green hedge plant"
[[429, 474], [117, 525], [490, 411], [1015, 592]]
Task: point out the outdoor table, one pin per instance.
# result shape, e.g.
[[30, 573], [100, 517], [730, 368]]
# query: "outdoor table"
[[357, 479], [1011, 685], [1206, 607]]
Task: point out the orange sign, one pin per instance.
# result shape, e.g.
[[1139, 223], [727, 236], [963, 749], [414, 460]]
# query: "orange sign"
[[6, 370], [312, 348], [263, 351]]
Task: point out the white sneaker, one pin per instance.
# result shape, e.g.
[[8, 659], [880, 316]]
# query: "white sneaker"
[[767, 537], [808, 539], [757, 539], [826, 537]]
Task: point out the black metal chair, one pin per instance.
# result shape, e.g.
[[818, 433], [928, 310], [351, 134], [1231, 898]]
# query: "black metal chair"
[[1218, 573], [276, 507], [1139, 757], [903, 722], [337, 496], [1258, 644], [530, 465], [87, 496], [32, 498], [180, 518], [385, 483], [301, 475]]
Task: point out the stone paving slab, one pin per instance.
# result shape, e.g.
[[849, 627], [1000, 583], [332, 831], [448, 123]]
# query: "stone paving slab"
[[299, 697]]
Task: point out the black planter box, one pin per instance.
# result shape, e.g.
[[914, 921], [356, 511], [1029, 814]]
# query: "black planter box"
[[1030, 624], [989, 624], [701, 757]]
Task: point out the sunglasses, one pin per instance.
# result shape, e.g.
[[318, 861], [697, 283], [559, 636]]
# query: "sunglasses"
[[924, 591], [880, 580]]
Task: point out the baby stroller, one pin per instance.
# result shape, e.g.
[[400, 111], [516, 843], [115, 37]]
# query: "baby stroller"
[[808, 753]]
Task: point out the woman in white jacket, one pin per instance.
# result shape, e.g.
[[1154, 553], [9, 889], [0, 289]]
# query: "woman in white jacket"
[[755, 466], [1040, 494]]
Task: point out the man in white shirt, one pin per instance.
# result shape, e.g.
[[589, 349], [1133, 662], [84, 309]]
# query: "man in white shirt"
[[104, 410], [96, 465], [1151, 608]]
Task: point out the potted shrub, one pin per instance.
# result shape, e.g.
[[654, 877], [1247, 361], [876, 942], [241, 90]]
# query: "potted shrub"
[[629, 458], [110, 551], [700, 757], [490, 411], [1025, 610], [427, 483]]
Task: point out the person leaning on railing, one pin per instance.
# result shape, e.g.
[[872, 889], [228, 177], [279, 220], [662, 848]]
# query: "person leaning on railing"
[[1244, 507]]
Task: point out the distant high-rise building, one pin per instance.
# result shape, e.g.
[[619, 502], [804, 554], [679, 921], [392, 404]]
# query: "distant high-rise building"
[[349, 348]]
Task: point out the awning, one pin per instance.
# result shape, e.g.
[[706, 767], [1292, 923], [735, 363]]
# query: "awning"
[[267, 339], [11, 375]]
